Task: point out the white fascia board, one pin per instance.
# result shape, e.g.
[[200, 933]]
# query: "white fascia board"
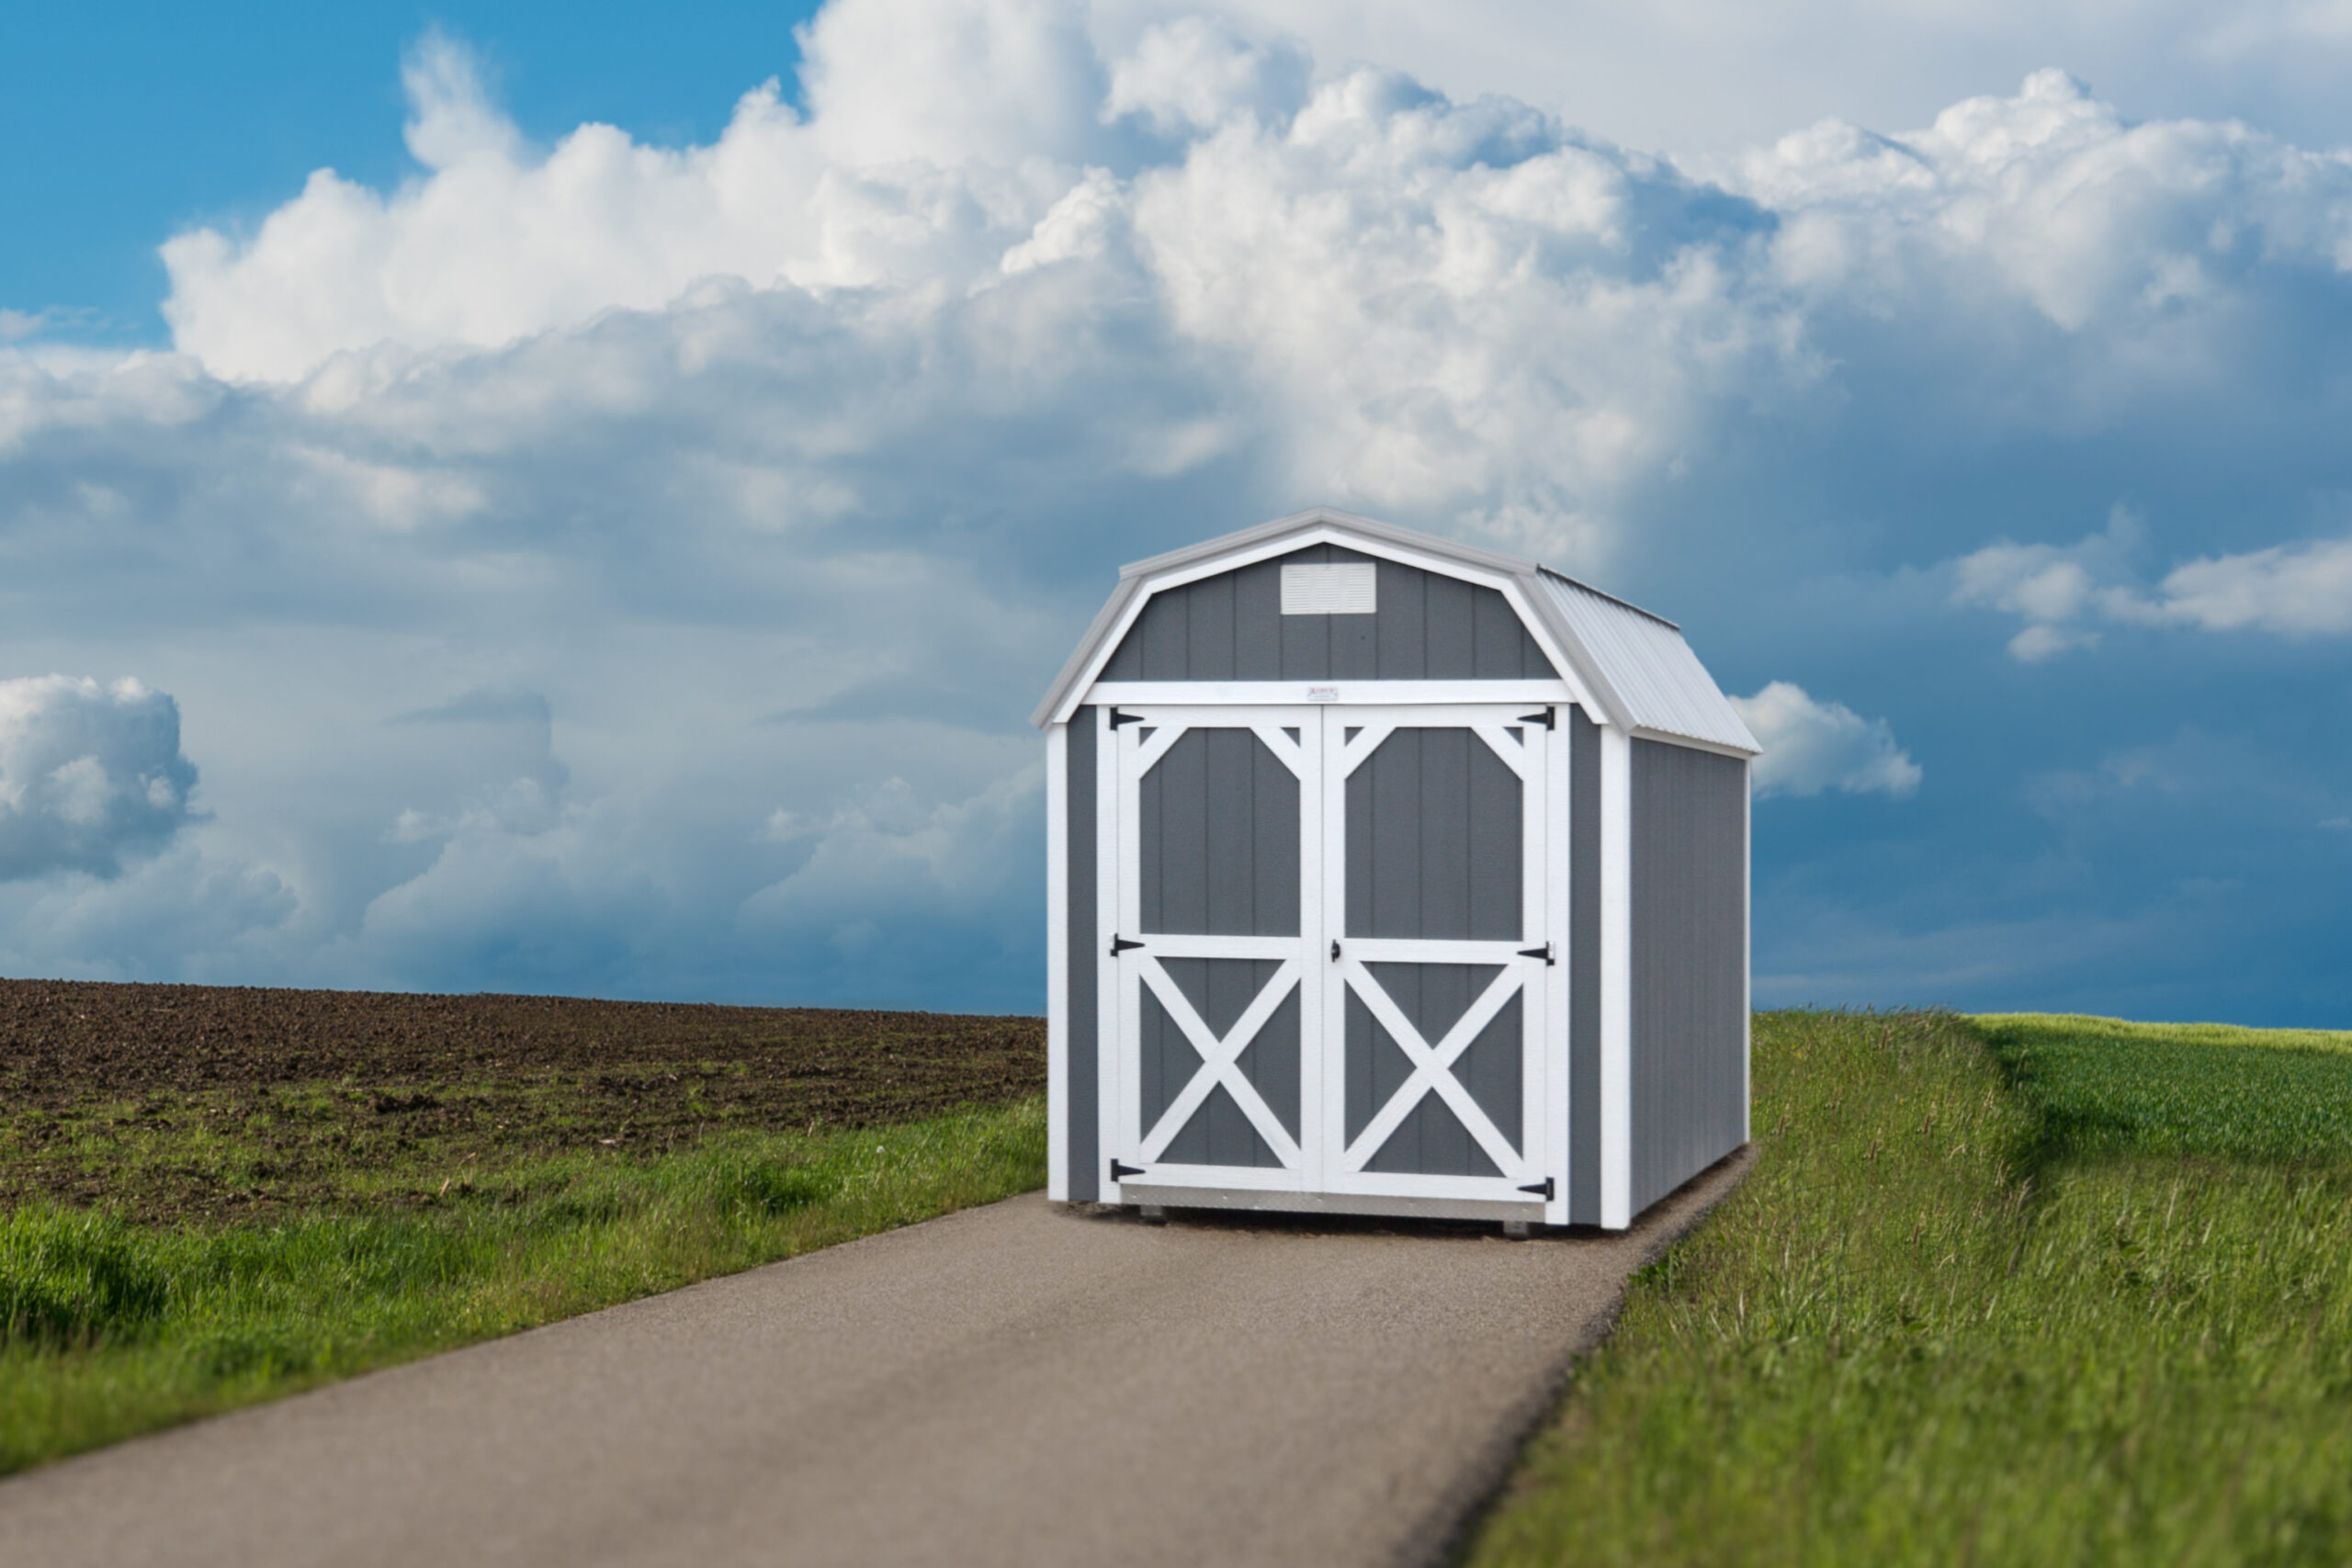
[[1297, 693], [1058, 1019], [1516, 580], [1616, 980], [1669, 738]]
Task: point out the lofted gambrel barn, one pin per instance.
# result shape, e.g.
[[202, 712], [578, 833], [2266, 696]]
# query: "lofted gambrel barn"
[[1391, 876]]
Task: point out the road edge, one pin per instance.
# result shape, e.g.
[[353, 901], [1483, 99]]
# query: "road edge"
[[1444, 1534]]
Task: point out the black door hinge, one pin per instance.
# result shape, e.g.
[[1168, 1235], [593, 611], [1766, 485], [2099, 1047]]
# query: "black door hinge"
[[1120, 944], [1549, 718], [1544, 952], [1543, 1187], [1118, 718], [1118, 1171]]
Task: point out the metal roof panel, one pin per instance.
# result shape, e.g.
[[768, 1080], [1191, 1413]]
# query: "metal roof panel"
[[1652, 671]]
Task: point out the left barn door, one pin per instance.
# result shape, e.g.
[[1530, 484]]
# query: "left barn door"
[[1216, 834]]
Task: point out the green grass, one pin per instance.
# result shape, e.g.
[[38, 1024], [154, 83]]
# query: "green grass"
[[109, 1326], [2103, 1087], [2021, 1290]]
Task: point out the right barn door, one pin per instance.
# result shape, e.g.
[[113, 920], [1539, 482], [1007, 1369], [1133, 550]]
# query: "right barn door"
[[1440, 985]]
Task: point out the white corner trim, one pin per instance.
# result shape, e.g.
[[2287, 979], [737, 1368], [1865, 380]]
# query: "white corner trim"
[[1110, 1137], [1616, 980], [1746, 951], [1057, 1019], [1559, 832]]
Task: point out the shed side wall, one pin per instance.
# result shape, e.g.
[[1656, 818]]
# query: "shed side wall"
[[1584, 969], [1689, 949], [1230, 628], [1082, 1103]]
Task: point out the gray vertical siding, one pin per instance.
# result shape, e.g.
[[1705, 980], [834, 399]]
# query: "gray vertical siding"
[[1431, 1141], [1270, 1063], [1230, 628], [1165, 1063], [1489, 1067], [1219, 1134], [1584, 969], [1219, 838], [1690, 954], [1081, 1105], [1434, 996], [1434, 839]]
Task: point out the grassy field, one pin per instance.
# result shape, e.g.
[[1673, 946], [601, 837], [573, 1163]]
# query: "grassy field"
[[208, 1225], [2017, 1289]]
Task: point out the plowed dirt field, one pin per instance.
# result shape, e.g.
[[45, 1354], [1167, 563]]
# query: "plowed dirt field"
[[214, 1102]]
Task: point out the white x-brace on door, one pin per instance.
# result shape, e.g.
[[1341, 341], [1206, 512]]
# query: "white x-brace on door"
[[1331, 948]]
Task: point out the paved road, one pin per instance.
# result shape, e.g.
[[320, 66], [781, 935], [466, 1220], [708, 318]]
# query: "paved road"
[[1013, 1384]]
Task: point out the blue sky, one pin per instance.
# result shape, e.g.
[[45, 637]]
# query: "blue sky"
[[134, 120], [605, 537]]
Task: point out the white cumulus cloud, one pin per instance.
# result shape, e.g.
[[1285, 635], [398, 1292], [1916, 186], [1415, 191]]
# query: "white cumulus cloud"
[[1192, 73], [622, 567], [2050, 198], [90, 774], [1810, 746], [2303, 590], [2065, 592], [1718, 74]]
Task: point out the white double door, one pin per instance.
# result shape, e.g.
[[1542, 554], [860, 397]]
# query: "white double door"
[[1334, 964]]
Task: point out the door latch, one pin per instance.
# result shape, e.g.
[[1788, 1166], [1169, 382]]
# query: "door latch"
[[1544, 952], [1120, 944], [1335, 950]]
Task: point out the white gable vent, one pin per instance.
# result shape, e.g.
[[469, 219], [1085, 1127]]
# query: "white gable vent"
[[1344, 589]]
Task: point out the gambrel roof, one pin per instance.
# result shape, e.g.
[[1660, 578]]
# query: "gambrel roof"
[[1638, 673]]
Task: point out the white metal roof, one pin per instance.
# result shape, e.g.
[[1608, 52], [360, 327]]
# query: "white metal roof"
[[1658, 680], [1642, 676]]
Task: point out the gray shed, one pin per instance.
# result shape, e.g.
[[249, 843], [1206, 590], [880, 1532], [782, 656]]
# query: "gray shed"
[[1391, 876]]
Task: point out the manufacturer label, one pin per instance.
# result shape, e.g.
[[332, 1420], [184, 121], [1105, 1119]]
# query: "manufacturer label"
[[1322, 694]]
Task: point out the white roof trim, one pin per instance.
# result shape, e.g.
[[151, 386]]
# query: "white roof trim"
[[1633, 680]]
